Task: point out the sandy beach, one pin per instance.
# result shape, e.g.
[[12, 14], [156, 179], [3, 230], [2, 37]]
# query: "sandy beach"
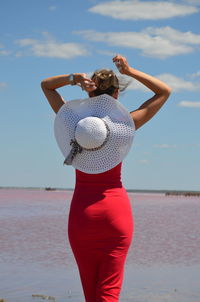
[[163, 264]]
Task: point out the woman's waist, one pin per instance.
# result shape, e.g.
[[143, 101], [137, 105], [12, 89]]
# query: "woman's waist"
[[96, 192], [99, 185]]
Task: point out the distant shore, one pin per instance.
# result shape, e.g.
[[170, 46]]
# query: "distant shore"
[[185, 193], [166, 192]]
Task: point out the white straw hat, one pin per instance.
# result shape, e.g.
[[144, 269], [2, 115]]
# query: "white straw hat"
[[94, 134]]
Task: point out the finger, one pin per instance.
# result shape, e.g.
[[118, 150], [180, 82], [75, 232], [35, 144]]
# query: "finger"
[[89, 89], [89, 85], [117, 57], [88, 81]]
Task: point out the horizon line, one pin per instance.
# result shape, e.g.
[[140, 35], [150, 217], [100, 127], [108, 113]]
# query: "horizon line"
[[128, 190]]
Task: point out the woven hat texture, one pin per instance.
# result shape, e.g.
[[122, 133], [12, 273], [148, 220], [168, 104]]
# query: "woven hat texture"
[[113, 114]]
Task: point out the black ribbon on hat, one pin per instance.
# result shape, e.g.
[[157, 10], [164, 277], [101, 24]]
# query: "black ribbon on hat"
[[76, 148]]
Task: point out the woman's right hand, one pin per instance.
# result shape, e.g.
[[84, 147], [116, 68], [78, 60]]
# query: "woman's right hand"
[[121, 64], [86, 83]]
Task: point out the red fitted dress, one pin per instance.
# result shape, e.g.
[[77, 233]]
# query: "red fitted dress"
[[100, 232]]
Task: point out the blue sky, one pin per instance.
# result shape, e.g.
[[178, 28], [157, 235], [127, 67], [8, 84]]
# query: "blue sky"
[[44, 38]]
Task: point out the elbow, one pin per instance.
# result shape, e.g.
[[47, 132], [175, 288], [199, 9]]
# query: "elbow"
[[42, 84], [168, 90], [46, 85]]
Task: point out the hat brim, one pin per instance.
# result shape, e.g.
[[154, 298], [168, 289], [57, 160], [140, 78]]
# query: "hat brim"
[[119, 121]]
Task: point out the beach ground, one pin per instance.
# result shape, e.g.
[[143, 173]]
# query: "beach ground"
[[163, 263]]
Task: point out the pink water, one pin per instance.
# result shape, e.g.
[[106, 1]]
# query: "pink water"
[[35, 258]]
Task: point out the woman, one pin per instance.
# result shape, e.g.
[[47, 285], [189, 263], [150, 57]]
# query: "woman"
[[100, 220]]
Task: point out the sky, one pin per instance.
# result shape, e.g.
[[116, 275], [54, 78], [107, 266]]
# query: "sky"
[[39, 39]]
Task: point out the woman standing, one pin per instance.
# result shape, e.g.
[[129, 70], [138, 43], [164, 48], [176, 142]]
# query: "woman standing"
[[94, 135]]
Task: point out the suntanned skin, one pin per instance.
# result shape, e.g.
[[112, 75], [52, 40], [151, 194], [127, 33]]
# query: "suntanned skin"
[[140, 116]]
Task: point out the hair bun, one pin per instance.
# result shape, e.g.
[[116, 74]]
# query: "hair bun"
[[105, 78]]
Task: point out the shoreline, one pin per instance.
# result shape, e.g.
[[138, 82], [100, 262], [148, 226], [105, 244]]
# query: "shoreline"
[[186, 193]]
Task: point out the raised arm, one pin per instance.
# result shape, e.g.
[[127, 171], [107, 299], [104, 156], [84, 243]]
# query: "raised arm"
[[50, 85], [149, 108]]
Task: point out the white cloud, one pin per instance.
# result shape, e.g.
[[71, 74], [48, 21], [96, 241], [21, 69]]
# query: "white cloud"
[[143, 161], [154, 42], [136, 85], [195, 74], [51, 48], [106, 53], [189, 104], [2, 85], [195, 2], [3, 51], [52, 7], [174, 35], [178, 84], [165, 146], [142, 10]]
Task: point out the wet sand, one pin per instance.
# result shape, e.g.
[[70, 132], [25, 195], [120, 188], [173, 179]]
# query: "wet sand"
[[163, 264]]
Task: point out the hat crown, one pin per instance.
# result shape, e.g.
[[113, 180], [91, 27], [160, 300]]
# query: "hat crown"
[[91, 132]]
